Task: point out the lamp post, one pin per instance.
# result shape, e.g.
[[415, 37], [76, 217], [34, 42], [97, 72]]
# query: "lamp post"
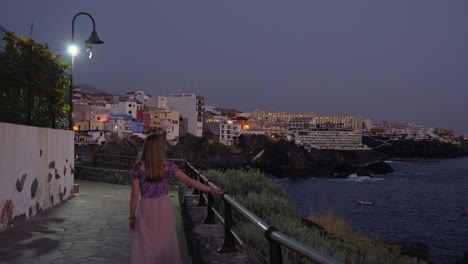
[[93, 39]]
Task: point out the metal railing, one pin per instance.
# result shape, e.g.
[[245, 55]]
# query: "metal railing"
[[275, 238]]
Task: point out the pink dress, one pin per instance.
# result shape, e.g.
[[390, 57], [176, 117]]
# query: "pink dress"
[[155, 239]]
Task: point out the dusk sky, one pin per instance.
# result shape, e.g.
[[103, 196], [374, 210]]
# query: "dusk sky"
[[395, 60]]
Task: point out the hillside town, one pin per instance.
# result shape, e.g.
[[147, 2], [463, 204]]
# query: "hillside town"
[[99, 115]]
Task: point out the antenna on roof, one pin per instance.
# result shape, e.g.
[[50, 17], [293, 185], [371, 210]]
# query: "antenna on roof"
[[31, 30]]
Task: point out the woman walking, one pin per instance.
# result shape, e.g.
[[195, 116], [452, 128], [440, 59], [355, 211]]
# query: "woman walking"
[[155, 239]]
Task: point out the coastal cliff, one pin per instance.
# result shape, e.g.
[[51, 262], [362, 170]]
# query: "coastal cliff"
[[278, 158], [284, 159]]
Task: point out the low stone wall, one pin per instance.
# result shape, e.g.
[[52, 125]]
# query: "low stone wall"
[[121, 177], [204, 240]]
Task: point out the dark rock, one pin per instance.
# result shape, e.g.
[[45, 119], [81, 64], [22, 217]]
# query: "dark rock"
[[64, 171], [34, 187], [415, 250], [52, 165], [377, 168], [52, 199], [17, 219], [278, 158], [57, 176], [30, 211], [49, 177], [72, 170]]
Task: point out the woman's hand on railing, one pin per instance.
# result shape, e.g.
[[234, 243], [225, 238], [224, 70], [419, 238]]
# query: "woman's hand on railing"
[[215, 191]]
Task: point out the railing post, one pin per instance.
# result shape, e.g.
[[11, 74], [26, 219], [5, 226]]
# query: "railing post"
[[195, 191], [210, 220], [275, 248], [229, 243], [201, 200]]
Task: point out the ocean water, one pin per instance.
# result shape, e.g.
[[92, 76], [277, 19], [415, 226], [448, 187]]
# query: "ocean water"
[[420, 202]]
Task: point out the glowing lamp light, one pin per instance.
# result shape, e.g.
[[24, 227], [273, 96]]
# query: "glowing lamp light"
[[75, 128], [245, 127], [73, 50]]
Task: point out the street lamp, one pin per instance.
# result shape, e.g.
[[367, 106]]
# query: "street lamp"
[[73, 49]]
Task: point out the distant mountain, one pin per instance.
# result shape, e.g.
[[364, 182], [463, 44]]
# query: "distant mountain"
[[86, 88]]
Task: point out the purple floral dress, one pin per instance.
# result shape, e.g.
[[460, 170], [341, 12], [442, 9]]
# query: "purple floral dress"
[[154, 189]]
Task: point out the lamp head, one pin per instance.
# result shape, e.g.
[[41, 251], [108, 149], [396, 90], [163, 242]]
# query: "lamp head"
[[94, 39], [73, 49]]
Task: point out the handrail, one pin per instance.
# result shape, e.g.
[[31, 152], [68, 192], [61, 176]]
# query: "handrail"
[[275, 237]]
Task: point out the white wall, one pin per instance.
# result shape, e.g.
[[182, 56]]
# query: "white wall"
[[186, 105], [42, 157]]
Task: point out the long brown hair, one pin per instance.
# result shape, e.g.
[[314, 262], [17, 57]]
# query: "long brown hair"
[[153, 157]]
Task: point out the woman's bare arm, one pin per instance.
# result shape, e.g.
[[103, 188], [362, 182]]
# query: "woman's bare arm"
[[134, 200], [182, 177]]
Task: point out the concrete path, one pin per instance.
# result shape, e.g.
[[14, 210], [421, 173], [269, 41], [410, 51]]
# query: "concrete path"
[[92, 227]]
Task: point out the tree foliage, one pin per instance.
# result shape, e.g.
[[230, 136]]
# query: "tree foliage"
[[33, 85]]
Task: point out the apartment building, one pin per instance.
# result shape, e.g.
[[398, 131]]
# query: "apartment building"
[[211, 123], [81, 112], [228, 131], [412, 132], [156, 102], [276, 132], [328, 139], [301, 123], [278, 118], [127, 108], [339, 122], [190, 107], [121, 124]]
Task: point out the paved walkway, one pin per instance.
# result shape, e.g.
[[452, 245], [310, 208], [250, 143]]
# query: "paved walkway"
[[92, 227]]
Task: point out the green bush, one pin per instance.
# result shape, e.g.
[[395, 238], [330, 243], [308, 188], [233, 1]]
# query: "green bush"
[[267, 200], [33, 85]]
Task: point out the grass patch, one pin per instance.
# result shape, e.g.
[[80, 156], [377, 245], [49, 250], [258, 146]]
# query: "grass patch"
[[268, 201]]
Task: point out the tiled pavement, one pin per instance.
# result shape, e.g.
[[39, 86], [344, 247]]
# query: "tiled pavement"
[[92, 227]]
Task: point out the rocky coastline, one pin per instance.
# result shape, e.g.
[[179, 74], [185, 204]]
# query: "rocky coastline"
[[284, 159]]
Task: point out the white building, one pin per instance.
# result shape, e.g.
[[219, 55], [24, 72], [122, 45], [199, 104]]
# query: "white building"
[[120, 124], [157, 102], [340, 122], [303, 123], [141, 97], [127, 108], [228, 131], [328, 139], [190, 107]]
